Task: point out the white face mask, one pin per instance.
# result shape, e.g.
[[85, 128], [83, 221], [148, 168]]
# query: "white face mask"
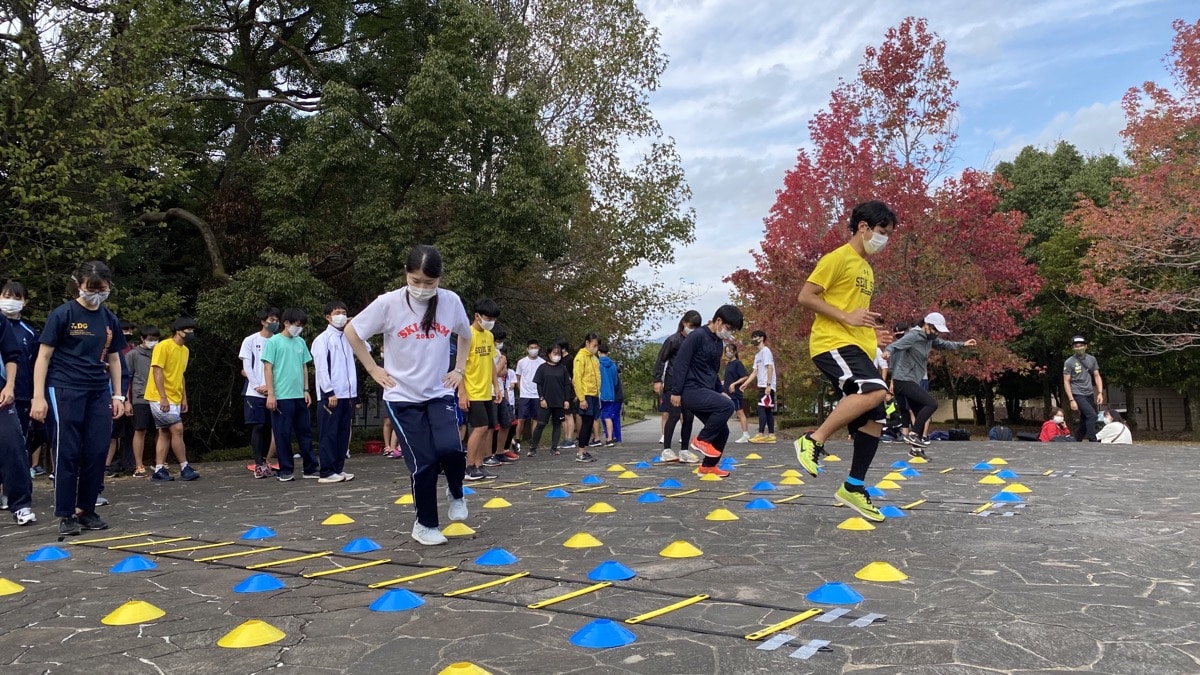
[[422, 294], [725, 334], [687, 330], [487, 325], [92, 299], [295, 331], [555, 358], [11, 306], [533, 353], [150, 344], [1059, 419], [339, 320], [876, 243], [499, 346]]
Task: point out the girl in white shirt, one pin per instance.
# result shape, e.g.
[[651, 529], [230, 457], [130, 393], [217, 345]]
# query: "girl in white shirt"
[[1115, 430]]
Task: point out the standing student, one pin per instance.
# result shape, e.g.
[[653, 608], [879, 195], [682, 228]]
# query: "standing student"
[[586, 380], [75, 381], [417, 322], [909, 357], [696, 385], [527, 401], [138, 359], [122, 433], [735, 376], [663, 369], [167, 394], [504, 409], [13, 298], [842, 345], [1084, 387], [337, 393], [254, 394], [478, 389], [610, 379], [553, 382], [763, 374], [14, 460], [285, 370]]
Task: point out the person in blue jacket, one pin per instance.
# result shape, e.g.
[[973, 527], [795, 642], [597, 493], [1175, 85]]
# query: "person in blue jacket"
[[14, 460], [696, 385], [609, 379]]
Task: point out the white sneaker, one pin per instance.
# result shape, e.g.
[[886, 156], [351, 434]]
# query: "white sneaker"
[[101, 500], [296, 456], [347, 476], [429, 536], [688, 457], [669, 455], [660, 440], [744, 439], [24, 516], [332, 478], [458, 509], [3, 502]]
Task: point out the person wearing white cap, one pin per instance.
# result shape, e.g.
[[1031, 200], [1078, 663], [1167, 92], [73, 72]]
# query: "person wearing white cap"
[[909, 358]]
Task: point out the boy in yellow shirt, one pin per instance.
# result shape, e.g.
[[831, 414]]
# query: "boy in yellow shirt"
[[167, 395], [480, 390], [842, 344]]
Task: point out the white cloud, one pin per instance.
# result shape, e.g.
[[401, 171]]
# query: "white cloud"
[[1093, 130]]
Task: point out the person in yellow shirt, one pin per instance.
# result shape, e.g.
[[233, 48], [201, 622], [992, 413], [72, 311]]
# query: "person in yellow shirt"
[[844, 337], [166, 393], [480, 390], [587, 388]]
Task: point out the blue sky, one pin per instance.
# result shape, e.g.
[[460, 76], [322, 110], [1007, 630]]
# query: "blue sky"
[[745, 77]]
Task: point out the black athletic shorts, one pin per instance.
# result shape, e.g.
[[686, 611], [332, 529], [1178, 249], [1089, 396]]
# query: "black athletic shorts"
[[851, 371], [142, 419], [482, 414]]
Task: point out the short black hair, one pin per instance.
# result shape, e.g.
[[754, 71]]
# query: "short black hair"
[[532, 343], [15, 289], [294, 315], [759, 334], [268, 313], [184, 323], [874, 213], [487, 307], [589, 337], [499, 334], [729, 315], [603, 348], [126, 325], [149, 331], [563, 345], [332, 305]]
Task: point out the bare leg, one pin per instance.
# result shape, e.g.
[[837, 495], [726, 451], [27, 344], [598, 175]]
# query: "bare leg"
[[161, 445], [177, 447], [846, 411]]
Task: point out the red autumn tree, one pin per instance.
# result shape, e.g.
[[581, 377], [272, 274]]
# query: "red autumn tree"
[[887, 136], [1143, 265]]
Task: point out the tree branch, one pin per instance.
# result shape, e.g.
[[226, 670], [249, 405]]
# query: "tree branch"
[[303, 107], [210, 238]]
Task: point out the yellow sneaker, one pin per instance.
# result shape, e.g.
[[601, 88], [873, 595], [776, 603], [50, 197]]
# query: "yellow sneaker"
[[758, 438], [771, 439]]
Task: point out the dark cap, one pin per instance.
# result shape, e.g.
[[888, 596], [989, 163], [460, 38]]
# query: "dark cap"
[[1078, 340]]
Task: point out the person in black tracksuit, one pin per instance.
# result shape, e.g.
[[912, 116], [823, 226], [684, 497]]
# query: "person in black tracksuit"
[[553, 380], [671, 413], [696, 384]]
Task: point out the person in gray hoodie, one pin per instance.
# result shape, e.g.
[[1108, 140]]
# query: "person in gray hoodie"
[[909, 359], [138, 360]]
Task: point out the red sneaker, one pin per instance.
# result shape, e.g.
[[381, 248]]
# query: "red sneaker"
[[712, 469], [512, 456], [705, 448]]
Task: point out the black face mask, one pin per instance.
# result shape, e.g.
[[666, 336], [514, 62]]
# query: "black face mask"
[[273, 327], [189, 338]]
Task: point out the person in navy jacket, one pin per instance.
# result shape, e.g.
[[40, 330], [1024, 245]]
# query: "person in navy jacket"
[[696, 384]]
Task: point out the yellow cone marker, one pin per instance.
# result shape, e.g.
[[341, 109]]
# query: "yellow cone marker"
[[338, 519], [627, 474], [601, 507], [917, 460], [754, 455], [887, 485], [791, 480], [680, 549], [253, 633], [881, 572], [582, 540], [616, 468], [832, 458], [997, 461], [790, 473], [463, 668], [497, 503], [721, 514], [991, 480], [710, 476], [10, 587], [405, 499], [856, 524], [895, 476], [134, 611], [457, 530], [1016, 488]]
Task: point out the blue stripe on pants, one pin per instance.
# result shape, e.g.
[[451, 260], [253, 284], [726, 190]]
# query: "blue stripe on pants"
[[14, 461], [80, 426], [334, 424], [429, 435], [291, 419]]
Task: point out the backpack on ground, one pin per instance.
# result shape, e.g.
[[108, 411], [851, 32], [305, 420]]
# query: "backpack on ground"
[[960, 435], [1000, 433]]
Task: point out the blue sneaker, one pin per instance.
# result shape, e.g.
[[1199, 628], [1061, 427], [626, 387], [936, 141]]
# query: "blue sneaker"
[[162, 475], [188, 473]]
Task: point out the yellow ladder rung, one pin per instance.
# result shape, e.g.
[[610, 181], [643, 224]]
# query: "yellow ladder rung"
[[666, 610], [788, 499], [775, 466], [1048, 472], [480, 587], [685, 492], [511, 485], [913, 505], [635, 491], [285, 561], [550, 487], [786, 623], [567, 596], [946, 470], [191, 548], [983, 508], [736, 494], [238, 554], [123, 536], [598, 487], [148, 543], [412, 577], [339, 570]]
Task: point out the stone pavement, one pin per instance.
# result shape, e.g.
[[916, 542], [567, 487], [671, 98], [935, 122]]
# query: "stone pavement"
[[1097, 572]]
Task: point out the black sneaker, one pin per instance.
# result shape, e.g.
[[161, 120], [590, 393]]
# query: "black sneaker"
[[532, 452], [917, 452], [112, 472], [915, 440], [595, 444], [585, 457], [69, 526], [492, 460], [473, 474], [91, 521], [488, 474]]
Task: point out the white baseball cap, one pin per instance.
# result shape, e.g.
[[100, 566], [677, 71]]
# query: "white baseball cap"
[[938, 321]]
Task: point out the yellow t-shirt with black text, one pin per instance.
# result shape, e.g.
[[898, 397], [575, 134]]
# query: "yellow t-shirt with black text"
[[848, 283], [173, 359], [478, 376]]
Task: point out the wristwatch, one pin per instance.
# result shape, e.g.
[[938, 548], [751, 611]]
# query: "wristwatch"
[[119, 398]]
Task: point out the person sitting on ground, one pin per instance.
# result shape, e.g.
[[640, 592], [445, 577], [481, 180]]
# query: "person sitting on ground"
[[1055, 429], [1115, 430]]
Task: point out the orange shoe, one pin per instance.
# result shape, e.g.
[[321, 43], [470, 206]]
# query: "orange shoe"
[[721, 473], [705, 448]]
